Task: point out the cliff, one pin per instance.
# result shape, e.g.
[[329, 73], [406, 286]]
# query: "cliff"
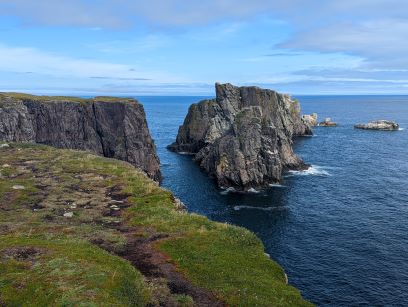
[[110, 127], [244, 137]]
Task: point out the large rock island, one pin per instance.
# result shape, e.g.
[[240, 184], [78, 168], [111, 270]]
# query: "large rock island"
[[110, 127], [243, 138]]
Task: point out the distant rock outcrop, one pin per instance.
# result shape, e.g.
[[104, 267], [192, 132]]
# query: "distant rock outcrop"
[[328, 123], [111, 127], [384, 125], [243, 138], [311, 119]]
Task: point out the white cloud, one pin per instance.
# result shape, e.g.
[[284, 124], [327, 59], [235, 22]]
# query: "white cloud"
[[32, 70], [122, 13], [382, 42], [375, 31], [92, 14], [21, 60]]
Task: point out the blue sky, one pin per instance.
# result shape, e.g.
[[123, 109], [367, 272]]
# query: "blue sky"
[[173, 47]]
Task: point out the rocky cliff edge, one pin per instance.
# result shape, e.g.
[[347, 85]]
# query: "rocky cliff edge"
[[110, 127]]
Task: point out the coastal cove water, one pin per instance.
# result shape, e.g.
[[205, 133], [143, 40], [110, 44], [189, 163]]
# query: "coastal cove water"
[[340, 230]]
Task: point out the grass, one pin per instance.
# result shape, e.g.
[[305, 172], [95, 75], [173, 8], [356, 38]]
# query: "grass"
[[49, 99], [36, 271], [226, 260]]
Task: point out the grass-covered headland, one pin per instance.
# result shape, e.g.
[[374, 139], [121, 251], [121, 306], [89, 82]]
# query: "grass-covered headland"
[[81, 230]]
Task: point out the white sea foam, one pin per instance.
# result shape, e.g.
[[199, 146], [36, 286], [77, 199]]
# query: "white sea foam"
[[277, 185], [314, 170], [185, 153], [227, 191], [309, 136], [279, 208], [401, 129], [252, 190]]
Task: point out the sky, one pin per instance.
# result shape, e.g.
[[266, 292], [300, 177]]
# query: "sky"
[[175, 47]]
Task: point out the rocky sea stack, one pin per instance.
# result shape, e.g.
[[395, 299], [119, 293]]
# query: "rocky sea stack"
[[110, 127], [244, 137]]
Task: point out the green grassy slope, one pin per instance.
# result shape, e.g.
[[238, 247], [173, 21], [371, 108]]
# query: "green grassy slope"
[[45, 99], [60, 237]]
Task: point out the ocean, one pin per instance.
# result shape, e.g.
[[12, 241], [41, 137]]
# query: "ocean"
[[340, 229]]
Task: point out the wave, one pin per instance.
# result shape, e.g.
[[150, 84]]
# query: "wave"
[[253, 191], [227, 191], [401, 129], [314, 170], [185, 153], [279, 208], [309, 136], [277, 185]]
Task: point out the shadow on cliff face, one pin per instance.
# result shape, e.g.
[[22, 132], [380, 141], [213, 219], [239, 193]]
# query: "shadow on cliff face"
[[111, 127], [244, 137]]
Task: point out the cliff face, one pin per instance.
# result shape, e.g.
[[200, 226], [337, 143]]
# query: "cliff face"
[[114, 128], [244, 137]]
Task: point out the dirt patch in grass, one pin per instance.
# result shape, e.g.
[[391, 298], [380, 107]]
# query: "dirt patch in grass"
[[154, 265], [24, 253]]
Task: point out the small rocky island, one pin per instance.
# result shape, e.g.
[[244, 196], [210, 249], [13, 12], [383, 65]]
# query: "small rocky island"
[[328, 123], [383, 125], [243, 138], [110, 127]]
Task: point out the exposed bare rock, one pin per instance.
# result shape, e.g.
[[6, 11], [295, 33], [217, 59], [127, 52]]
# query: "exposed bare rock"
[[328, 123], [111, 127], [311, 119], [243, 138], [384, 125]]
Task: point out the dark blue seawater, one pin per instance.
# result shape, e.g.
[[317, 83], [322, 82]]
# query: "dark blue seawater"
[[340, 231]]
